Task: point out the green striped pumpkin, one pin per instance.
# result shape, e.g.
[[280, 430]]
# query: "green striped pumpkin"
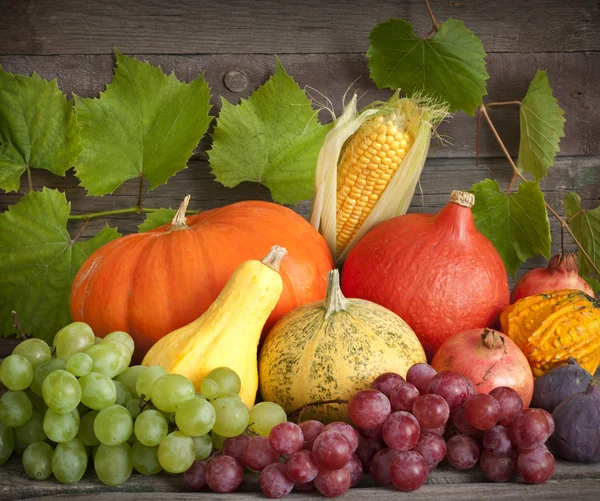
[[331, 349]]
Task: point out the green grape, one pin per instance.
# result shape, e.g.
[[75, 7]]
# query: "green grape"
[[199, 395], [176, 452], [98, 340], [121, 337], [145, 459], [97, 391], [195, 417], [125, 354], [15, 408], [171, 390], [151, 427], [86, 429], [146, 379], [203, 446], [61, 391], [82, 409], [209, 388], [37, 460], [20, 447], [132, 440], [217, 440], [73, 338], [69, 461], [41, 370], [61, 427], [7, 442], [265, 416], [231, 417], [35, 350], [228, 394], [226, 378], [106, 357], [113, 425], [16, 372], [112, 464], [130, 376], [32, 430], [80, 364], [38, 403], [133, 406], [123, 396]]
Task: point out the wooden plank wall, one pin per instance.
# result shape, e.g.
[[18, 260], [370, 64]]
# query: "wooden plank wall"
[[322, 45]]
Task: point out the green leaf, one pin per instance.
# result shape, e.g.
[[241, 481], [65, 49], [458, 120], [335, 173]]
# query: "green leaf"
[[272, 138], [594, 284], [145, 124], [37, 128], [586, 227], [449, 66], [156, 219], [542, 126], [517, 224], [38, 262]]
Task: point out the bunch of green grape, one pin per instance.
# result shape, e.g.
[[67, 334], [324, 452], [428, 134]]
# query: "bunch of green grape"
[[81, 402]]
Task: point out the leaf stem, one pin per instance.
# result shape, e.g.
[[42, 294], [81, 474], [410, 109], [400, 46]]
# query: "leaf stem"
[[141, 192], [17, 325], [434, 24], [503, 103], [106, 213], [514, 178], [29, 181], [518, 173], [81, 230]]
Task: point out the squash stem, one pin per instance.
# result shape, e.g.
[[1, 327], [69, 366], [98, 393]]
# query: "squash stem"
[[179, 221], [335, 300], [274, 257]]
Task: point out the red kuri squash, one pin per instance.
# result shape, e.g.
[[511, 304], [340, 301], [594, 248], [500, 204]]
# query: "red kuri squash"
[[149, 284], [436, 271]]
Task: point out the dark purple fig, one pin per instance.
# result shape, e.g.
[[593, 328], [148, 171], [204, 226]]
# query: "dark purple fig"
[[577, 433], [557, 385]]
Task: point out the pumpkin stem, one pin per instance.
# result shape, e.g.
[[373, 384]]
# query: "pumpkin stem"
[[274, 257], [492, 340], [335, 300], [463, 198], [179, 221]]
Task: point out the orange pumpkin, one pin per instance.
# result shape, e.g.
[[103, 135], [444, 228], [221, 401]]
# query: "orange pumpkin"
[[149, 284]]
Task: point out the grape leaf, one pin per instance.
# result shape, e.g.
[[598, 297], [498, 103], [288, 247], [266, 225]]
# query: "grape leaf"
[[272, 138], [449, 66], [156, 219], [144, 124], [586, 227], [542, 126], [594, 284], [38, 262], [517, 224], [37, 128]]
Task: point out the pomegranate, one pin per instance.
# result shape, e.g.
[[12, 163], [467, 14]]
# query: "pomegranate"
[[489, 359], [561, 273], [436, 271]]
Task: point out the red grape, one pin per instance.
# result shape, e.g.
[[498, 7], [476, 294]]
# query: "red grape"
[[307, 487], [529, 429], [403, 397], [401, 431], [431, 411], [380, 466], [536, 465], [333, 483], [372, 433], [332, 450], [302, 467], [472, 391], [355, 468], [274, 482], [345, 429], [419, 375], [311, 430], [224, 474], [497, 440], [451, 386], [234, 447], [440, 430], [258, 453], [432, 447], [386, 382], [462, 452], [550, 420], [195, 477], [286, 438], [369, 408], [366, 449], [408, 471], [510, 404], [461, 423], [482, 411], [498, 467]]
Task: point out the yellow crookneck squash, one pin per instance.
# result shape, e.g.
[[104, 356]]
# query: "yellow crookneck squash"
[[228, 333]]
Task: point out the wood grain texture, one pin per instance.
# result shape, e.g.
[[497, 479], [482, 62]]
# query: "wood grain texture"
[[573, 77], [267, 26]]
